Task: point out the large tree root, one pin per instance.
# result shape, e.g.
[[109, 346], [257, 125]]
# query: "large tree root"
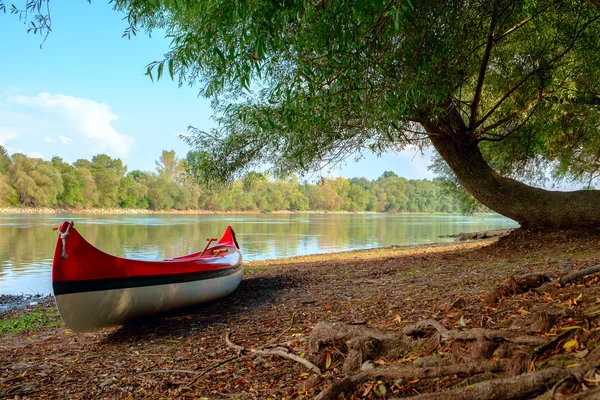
[[579, 274], [473, 334], [390, 373], [535, 282], [516, 285], [363, 343], [520, 387]]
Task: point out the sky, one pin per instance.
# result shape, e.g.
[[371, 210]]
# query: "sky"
[[85, 93]]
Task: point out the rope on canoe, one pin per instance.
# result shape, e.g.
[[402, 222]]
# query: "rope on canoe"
[[63, 236]]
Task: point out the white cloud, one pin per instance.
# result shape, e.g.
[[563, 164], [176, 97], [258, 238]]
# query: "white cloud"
[[85, 117], [35, 154], [49, 139], [66, 140], [7, 134]]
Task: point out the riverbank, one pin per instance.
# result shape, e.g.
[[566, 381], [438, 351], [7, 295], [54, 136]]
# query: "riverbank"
[[382, 293]]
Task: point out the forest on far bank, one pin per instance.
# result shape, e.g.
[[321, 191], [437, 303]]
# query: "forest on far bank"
[[104, 182]]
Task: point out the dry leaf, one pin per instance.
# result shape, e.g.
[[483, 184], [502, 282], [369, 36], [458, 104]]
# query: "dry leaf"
[[368, 389]]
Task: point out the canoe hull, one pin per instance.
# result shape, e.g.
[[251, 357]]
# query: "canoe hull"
[[117, 306], [94, 289]]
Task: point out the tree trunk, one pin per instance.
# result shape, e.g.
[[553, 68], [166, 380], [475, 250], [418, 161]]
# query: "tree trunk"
[[531, 207]]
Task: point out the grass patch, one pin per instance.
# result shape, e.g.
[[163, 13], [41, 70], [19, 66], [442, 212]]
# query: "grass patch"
[[47, 317]]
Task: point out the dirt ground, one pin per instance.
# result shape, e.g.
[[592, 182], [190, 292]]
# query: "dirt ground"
[[464, 286]]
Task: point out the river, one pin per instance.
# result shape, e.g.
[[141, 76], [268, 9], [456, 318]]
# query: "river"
[[27, 241]]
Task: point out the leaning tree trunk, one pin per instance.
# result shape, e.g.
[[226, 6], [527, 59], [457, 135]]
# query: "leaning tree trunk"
[[531, 207]]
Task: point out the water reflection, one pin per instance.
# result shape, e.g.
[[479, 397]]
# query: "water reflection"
[[27, 242]]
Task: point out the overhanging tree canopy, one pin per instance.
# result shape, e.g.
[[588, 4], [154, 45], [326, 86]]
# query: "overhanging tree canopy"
[[503, 90]]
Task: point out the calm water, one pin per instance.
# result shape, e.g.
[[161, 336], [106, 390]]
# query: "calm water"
[[27, 241]]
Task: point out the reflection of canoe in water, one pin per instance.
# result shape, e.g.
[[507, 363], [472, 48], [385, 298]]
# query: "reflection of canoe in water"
[[94, 289]]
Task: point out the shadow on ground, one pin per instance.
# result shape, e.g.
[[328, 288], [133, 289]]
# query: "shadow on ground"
[[252, 293]]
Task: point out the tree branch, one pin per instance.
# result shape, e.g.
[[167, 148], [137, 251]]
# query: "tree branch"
[[536, 70], [483, 68]]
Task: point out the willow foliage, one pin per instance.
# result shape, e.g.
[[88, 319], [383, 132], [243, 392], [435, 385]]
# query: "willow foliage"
[[300, 84]]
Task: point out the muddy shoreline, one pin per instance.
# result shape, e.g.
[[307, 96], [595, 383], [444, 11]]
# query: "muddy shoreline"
[[11, 304]]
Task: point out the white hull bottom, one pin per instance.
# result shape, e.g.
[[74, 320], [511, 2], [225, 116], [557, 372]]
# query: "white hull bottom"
[[86, 311]]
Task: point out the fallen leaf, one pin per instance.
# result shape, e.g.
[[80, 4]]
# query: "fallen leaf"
[[569, 328], [571, 343], [368, 389]]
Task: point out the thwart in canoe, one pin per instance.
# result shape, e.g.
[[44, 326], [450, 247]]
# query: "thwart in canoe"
[[95, 290]]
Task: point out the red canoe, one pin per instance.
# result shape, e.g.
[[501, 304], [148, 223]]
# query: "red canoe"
[[94, 289]]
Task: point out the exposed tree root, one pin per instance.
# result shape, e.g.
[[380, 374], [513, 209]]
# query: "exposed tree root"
[[363, 343], [520, 387], [514, 286], [579, 274], [474, 334], [552, 344], [391, 373]]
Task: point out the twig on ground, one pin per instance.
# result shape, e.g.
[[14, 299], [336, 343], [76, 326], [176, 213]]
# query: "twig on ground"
[[284, 332], [280, 351], [238, 349]]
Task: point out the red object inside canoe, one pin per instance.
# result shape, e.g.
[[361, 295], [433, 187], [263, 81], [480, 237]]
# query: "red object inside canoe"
[[86, 262]]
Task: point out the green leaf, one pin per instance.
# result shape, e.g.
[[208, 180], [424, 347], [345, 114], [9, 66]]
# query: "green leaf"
[[171, 69], [160, 71], [149, 73]]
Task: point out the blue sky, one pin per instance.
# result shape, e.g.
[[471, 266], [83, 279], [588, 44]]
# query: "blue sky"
[[85, 93]]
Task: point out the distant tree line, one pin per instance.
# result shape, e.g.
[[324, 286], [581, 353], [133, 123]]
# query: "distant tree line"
[[103, 182]]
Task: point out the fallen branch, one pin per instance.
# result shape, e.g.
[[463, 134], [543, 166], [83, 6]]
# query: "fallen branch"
[[579, 274], [390, 373], [238, 349], [519, 387], [473, 334], [280, 351]]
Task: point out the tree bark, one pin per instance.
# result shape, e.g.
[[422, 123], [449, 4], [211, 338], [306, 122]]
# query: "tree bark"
[[531, 207]]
